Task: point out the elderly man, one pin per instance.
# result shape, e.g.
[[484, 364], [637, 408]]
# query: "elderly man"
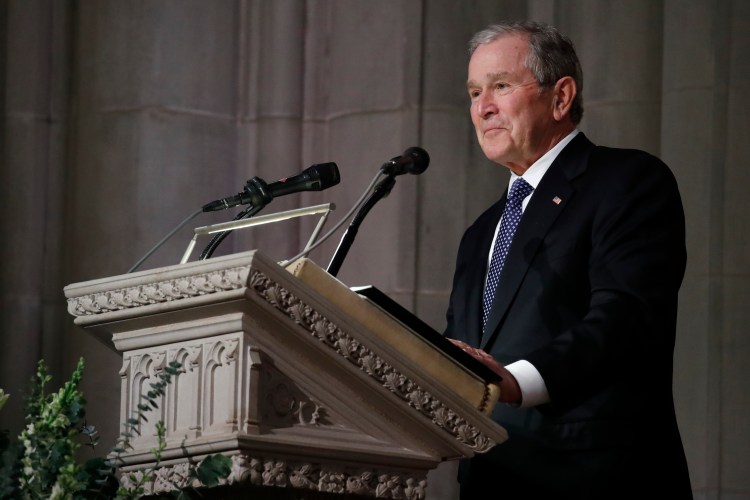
[[567, 288]]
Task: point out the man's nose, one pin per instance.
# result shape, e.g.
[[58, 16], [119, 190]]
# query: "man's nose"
[[486, 106]]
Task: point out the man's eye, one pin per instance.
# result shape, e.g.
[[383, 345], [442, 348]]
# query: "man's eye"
[[474, 94], [502, 86]]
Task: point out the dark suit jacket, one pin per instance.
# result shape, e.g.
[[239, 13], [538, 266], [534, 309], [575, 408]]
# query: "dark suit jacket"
[[588, 295]]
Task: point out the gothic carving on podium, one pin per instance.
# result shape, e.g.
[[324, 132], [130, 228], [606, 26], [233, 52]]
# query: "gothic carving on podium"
[[299, 392]]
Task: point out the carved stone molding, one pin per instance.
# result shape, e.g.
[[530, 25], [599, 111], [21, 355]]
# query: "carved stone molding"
[[264, 471], [343, 344], [269, 471], [163, 291], [285, 404]]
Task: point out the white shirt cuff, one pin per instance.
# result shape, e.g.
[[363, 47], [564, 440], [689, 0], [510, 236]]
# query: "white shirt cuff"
[[533, 388]]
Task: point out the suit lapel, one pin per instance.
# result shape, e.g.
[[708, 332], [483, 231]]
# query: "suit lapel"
[[550, 198], [478, 271]]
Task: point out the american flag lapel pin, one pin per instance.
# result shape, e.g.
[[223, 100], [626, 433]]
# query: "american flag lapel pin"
[[556, 200]]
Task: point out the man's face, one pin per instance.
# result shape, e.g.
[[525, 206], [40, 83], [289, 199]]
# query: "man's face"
[[513, 120]]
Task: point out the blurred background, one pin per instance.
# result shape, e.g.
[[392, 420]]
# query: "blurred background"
[[120, 118]]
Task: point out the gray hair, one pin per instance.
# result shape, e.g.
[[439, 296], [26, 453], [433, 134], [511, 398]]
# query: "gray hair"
[[551, 55]]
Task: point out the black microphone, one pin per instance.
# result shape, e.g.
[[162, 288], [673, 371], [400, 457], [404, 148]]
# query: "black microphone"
[[315, 178], [414, 161]]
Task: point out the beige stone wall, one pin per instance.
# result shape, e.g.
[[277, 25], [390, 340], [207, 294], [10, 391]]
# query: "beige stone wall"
[[121, 118]]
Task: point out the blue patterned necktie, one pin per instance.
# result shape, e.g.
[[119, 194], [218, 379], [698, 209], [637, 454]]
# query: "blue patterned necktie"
[[511, 216]]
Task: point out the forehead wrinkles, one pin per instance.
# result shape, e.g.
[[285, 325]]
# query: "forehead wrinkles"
[[490, 77], [503, 57]]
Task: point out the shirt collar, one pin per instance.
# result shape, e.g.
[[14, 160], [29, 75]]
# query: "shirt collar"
[[536, 171]]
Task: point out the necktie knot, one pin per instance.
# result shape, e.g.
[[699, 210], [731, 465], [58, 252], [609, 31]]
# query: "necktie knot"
[[519, 190]]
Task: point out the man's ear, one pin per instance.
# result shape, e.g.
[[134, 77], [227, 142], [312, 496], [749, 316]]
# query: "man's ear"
[[564, 92]]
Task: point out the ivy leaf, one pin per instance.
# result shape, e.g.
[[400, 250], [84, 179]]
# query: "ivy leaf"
[[213, 468]]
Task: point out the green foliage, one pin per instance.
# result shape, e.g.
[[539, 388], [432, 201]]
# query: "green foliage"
[[48, 468], [41, 463], [132, 427], [213, 469]]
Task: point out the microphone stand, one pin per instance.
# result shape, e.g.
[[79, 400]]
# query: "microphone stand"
[[258, 197], [219, 237], [382, 190]]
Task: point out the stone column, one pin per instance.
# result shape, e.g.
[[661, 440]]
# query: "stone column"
[[705, 137], [34, 52], [620, 48]]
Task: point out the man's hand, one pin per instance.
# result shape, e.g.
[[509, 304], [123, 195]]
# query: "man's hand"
[[510, 392]]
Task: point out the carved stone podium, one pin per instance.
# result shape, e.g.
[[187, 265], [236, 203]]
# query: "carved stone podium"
[[297, 390]]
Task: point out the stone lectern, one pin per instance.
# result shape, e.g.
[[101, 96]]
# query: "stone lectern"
[[306, 385]]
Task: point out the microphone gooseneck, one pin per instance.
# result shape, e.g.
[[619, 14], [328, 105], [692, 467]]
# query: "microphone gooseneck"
[[414, 161]]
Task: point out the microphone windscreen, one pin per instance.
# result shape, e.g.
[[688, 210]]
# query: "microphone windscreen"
[[421, 159], [328, 173]]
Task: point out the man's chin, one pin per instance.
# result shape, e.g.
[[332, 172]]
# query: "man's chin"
[[495, 153]]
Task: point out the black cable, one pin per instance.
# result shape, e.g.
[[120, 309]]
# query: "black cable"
[[219, 237], [163, 240], [381, 191]]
